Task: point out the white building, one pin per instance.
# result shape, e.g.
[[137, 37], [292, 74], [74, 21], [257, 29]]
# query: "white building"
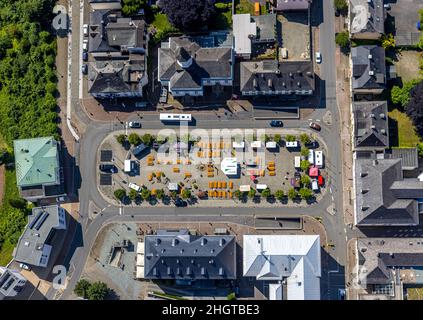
[[11, 282], [229, 166], [292, 261]]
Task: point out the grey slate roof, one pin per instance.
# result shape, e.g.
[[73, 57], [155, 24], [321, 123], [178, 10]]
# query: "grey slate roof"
[[369, 70], [289, 77], [370, 10], [383, 196], [266, 27], [371, 125], [287, 5], [41, 223], [184, 256], [381, 254], [207, 63], [409, 157]]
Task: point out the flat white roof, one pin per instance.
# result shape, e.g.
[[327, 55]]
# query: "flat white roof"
[[140, 247], [275, 291], [271, 144], [172, 186], [256, 144], [242, 29], [229, 166], [244, 188], [140, 260], [261, 186], [238, 145]]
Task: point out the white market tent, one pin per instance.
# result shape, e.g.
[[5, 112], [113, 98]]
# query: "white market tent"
[[244, 188], [172, 186], [229, 166], [238, 145], [271, 145], [256, 144]]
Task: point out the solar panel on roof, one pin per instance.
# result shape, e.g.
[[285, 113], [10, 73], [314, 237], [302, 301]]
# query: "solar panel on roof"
[[105, 179], [40, 223], [33, 222], [106, 155]]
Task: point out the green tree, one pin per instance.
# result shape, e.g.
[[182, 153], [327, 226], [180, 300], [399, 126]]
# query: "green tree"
[[147, 139], [145, 194], [186, 194], [134, 139], [388, 41], [304, 152], [160, 194], [121, 138], [238, 194], [341, 5], [131, 7], [305, 180], [401, 95], [18, 203], [97, 291], [342, 39], [305, 138], [292, 194], [173, 194], [81, 288], [305, 193], [304, 165], [120, 194], [252, 193], [231, 296], [277, 138], [290, 138], [133, 195], [266, 193], [279, 194]]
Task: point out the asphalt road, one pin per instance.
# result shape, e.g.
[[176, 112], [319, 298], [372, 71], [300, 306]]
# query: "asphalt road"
[[97, 131]]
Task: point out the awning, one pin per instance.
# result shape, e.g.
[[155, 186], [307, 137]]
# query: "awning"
[[244, 188]]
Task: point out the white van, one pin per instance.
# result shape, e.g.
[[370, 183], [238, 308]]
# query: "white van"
[[134, 186], [314, 185], [311, 156], [319, 159], [297, 162], [292, 144], [128, 166]]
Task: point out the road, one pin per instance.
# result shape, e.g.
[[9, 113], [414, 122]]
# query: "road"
[[96, 131]]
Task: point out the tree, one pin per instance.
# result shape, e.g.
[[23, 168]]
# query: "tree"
[[266, 193], [341, 6], [290, 138], [133, 195], [189, 14], [131, 7], [388, 41], [134, 139], [18, 203], [186, 194], [305, 138], [305, 152], [414, 108], [401, 96], [147, 139], [277, 138], [121, 138], [305, 193], [304, 165], [120, 194], [173, 194], [279, 194], [305, 180], [97, 291], [160, 194], [145, 194], [292, 194], [238, 194], [252, 193], [342, 39], [231, 296], [81, 288]]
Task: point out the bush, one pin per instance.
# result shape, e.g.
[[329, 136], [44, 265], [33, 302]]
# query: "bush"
[[341, 6], [305, 193], [231, 296], [147, 139], [292, 194], [81, 288], [388, 41], [305, 138], [291, 138], [133, 195], [266, 193], [146, 194], [277, 138], [134, 139], [305, 152], [304, 165], [131, 7], [186, 194], [18, 203], [279, 194], [97, 291], [120, 194], [342, 39], [305, 180], [160, 193], [252, 193], [121, 138]]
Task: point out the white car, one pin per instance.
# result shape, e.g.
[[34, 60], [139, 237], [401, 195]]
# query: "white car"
[[85, 45], [318, 57], [85, 29], [24, 266], [134, 186]]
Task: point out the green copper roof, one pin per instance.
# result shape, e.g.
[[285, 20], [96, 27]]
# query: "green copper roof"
[[37, 161]]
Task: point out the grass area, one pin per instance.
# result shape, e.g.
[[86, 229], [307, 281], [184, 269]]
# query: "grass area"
[[244, 6], [166, 295], [12, 220], [414, 293], [407, 136], [408, 65], [162, 26]]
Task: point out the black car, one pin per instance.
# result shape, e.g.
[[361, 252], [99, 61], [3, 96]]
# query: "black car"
[[84, 69], [85, 56], [134, 124], [180, 203], [312, 145], [107, 168], [276, 123]]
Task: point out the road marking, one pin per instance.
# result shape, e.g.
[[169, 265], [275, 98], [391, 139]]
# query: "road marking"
[[346, 238], [120, 211], [126, 128], [318, 120]]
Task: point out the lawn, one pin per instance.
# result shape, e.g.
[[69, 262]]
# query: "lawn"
[[408, 64], [163, 27], [407, 136], [12, 220], [246, 6], [414, 293]]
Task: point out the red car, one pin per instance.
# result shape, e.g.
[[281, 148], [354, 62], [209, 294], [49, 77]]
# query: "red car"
[[315, 126], [320, 181]]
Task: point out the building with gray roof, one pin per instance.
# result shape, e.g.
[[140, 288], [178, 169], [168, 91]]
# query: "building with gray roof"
[[183, 256], [383, 196], [270, 77], [11, 282], [409, 157], [105, 4], [368, 69], [119, 47], [371, 125], [367, 19], [292, 5], [34, 246], [385, 264], [187, 64]]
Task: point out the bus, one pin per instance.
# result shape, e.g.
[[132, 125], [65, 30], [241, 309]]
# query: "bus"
[[175, 117]]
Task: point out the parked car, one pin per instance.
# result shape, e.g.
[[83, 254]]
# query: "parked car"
[[134, 124], [315, 126], [134, 186], [180, 203], [60, 199], [85, 45], [85, 30], [387, 6], [318, 57], [276, 123], [84, 69], [25, 266], [312, 145], [341, 294], [85, 56], [105, 167], [163, 95]]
